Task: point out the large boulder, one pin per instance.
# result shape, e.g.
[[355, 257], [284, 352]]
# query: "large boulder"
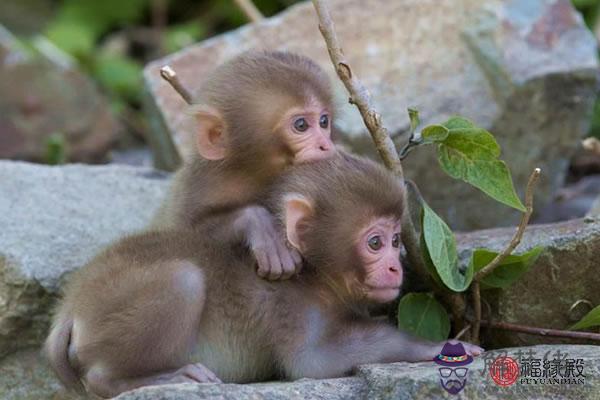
[[48, 106], [54, 219], [526, 70], [559, 288], [399, 381]]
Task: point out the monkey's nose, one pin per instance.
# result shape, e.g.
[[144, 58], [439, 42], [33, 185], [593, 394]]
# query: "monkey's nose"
[[394, 269]]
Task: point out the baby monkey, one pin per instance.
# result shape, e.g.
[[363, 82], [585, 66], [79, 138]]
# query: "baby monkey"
[[260, 113], [164, 307]]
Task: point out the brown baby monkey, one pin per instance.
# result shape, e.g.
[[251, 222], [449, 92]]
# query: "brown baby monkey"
[[260, 113], [165, 307]]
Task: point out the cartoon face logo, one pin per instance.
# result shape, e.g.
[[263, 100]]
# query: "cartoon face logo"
[[453, 373]]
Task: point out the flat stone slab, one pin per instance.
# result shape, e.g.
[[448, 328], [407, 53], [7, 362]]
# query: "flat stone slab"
[[398, 381], [566, 272], [53, 220]]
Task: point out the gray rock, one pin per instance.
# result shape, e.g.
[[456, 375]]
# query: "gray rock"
[[25, 375], [595, 209], [52, 220], [567, 271], [397, 381], [46, 101], [526, 70]]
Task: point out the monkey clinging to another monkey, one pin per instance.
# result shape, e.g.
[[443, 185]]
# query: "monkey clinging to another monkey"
[[165, 307], [260, 113]]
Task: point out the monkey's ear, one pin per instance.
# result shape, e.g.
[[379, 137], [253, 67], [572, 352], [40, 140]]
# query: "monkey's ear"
[[298, 209], [210, 134]]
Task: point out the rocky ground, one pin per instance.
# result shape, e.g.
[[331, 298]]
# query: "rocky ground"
[[53, 219]]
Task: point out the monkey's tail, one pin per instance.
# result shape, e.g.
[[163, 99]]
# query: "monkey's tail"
[[57, 351]]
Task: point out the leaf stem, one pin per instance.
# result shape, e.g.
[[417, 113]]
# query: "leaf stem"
[[516, 239]]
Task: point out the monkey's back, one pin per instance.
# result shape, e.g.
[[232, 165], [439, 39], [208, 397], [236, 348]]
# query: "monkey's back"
[[242, 313]]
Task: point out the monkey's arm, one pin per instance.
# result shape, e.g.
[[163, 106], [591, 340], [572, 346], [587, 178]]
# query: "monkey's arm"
[[255, 227], [361, 343]]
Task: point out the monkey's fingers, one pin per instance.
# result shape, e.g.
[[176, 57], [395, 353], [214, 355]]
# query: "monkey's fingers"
[[473, 349], [288, 264], [199, 373], [275, 267], [262, 262], [297, 257]]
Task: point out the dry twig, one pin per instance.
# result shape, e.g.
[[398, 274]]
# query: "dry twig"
[[541, 331], [488, 269], [170, 76], [361, 98], [249, 10]]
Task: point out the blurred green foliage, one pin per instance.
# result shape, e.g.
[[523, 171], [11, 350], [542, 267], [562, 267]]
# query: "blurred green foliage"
[[56, 149], [590, 9], [113, 39]]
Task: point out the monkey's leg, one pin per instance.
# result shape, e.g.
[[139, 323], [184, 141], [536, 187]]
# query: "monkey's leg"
[[360, 343], [143, 330]]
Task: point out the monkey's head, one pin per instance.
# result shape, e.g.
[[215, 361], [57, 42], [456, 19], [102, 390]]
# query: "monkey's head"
[[265, 110], [343, 215]]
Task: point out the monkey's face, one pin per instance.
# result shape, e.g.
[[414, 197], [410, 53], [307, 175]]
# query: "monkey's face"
[[306, 130], [378, 248]]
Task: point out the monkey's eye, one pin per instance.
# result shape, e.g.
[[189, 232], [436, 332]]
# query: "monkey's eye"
[[324, 121], [375, 242], [300, 125], [396, 240]]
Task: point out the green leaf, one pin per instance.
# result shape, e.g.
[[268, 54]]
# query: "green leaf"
[[421, 315], [440, 246], [434, 133], [509, 270], [181, 35], [80, 23], [56, 152], [121, 75], [75, 38], [471, 154], [413, 115], [591, 319]]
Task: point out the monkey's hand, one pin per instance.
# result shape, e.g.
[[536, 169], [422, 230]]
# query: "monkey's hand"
[[274, 258]]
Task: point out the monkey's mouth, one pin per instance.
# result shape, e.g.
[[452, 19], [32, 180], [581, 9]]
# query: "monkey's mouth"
[[383, 293]]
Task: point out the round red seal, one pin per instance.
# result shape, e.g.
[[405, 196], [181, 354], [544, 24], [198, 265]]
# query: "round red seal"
[[504, 371]]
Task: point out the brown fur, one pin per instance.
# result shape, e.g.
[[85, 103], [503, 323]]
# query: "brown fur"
[[152, 303], [251, 92]]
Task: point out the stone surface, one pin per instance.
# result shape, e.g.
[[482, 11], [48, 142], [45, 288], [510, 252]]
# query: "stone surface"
[[44, 98], [567, 271], [595, 210], [396, 381], [526, 70], [52, 220], [26, 375]]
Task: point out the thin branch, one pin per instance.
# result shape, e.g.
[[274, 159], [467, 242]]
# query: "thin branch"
[[476, 324], [462, 332], [488, 269], [541, 331], [361, 98], [359, 95], [170, 76], [592, 145], [159, 14], [250, 10]]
